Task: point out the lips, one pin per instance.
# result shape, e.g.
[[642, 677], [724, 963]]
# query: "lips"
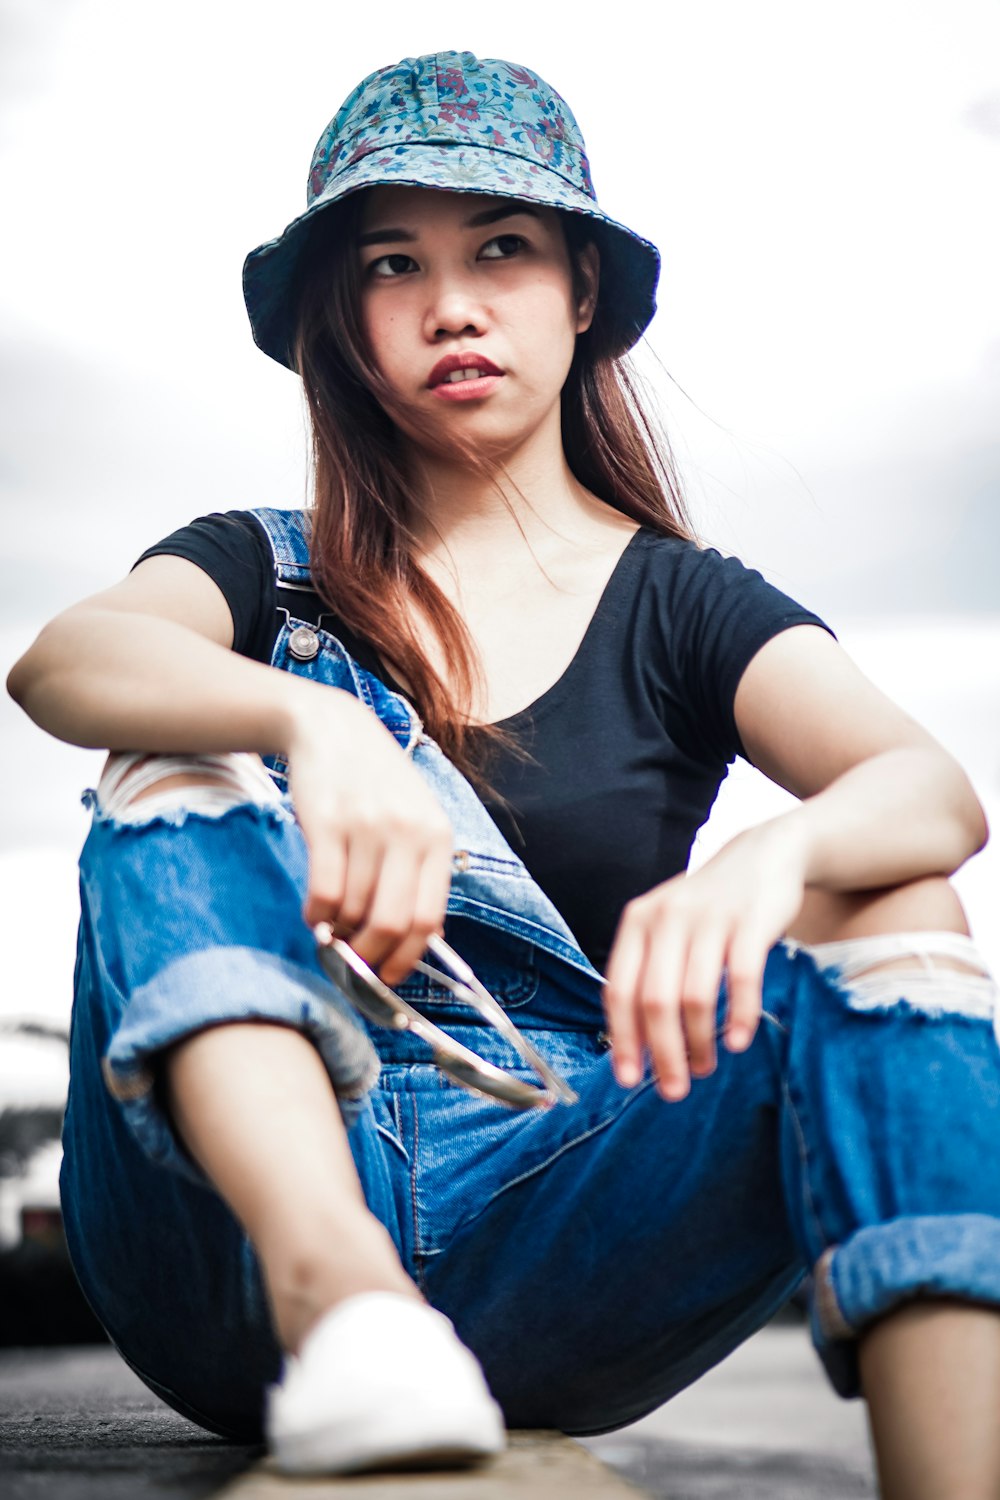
[[456, 368]]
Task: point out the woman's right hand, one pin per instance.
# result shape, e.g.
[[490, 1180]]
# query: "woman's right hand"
[[379, 841]]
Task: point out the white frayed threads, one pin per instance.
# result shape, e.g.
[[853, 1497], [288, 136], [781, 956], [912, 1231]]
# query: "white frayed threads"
[[933, 989], [231, 778]]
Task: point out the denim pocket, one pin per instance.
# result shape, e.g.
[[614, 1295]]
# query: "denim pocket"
[[506, 965]]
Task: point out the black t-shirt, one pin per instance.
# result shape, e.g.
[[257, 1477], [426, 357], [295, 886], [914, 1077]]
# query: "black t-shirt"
[[629, 746]]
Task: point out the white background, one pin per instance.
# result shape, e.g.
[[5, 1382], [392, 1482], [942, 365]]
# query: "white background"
[[822, 182]]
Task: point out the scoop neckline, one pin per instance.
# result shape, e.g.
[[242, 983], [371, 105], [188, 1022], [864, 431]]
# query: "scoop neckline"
[[552, 695], [549, 699]]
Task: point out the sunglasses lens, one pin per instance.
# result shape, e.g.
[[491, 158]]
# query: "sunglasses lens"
[[361, 994], [386, 1010]]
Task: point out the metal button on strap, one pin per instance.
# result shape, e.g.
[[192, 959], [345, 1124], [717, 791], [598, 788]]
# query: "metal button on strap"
[[303, 643], [460, 859]]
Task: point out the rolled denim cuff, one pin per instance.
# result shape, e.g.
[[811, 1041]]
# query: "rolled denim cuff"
[[884, 1265], [232, 984]]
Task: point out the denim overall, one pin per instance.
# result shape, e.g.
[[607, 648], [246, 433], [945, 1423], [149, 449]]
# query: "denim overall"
[[597, 1257]]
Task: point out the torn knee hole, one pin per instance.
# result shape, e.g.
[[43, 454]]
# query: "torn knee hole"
[[132, 793], [921, 963], [922, 952], [137, 786], [944, 989]]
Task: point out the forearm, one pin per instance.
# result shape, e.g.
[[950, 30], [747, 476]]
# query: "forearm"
[[906, 813], [109, 679]]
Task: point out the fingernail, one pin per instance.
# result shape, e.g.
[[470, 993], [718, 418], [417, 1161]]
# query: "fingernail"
[[737, 1038], [628, 1073]]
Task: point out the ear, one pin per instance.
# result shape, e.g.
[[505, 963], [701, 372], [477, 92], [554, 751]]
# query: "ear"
[[590, 275]]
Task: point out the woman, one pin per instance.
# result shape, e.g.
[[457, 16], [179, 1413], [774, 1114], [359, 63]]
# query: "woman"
[[497, 542]]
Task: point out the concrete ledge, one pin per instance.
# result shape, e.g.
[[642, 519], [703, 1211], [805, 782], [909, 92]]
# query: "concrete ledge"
[[537, 1463]]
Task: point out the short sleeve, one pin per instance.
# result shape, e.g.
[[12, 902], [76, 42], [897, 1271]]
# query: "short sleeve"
[[722, 613], [232, 548]]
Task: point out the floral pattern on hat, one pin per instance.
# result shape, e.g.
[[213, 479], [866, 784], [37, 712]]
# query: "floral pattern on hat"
[[453, 121], [450, 97]]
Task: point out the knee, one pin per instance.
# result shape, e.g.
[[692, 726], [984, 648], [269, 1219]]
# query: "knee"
[[205, 782], [928, 904]]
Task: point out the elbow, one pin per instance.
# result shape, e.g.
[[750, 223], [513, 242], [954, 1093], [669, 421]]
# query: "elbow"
[[972, 827], [29, 673], [21, 676], [954, 811], [981, 827]]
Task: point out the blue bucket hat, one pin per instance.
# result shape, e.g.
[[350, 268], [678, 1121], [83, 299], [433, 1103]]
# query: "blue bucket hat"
[[465, 124]]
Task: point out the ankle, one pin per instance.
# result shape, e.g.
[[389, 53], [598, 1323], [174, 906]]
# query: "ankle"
[[305, 1282]]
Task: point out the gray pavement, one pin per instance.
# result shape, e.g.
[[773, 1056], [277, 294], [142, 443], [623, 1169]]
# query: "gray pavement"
[[764, 1425], [77, 1423]]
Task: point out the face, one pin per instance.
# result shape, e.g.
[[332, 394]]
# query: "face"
[[469, 312]]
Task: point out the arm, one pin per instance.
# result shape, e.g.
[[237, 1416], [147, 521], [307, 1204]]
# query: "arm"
[[882, 803], [147, 665]]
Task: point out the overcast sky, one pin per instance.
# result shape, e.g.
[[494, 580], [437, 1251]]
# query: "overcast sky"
[[822, 182]]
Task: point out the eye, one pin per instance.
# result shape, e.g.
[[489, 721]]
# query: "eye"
[[388, 266], [502, 247]]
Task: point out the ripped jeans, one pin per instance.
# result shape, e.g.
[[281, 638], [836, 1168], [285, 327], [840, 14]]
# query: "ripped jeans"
[[597, 1257]]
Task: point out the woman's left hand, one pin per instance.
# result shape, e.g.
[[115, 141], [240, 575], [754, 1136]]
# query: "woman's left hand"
[[673, 942]]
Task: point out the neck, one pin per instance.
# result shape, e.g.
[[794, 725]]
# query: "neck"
[[535, 501]]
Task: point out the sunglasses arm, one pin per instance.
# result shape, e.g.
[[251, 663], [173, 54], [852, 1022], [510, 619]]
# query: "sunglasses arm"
[[475, 993]]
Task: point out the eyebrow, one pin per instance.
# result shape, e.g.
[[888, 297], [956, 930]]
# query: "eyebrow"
[[392, 236]]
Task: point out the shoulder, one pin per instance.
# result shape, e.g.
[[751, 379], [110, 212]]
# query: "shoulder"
[[687, 573], [233, 549], [691, 554], [236, 534], [705, 615], [677, 570]]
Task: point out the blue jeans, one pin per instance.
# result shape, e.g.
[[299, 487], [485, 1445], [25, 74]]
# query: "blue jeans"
[[597, 1257]]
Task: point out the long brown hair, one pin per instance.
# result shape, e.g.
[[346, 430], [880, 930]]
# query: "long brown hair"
[[366, 494]]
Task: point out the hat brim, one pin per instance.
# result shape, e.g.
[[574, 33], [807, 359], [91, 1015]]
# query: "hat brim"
[[630, 265]]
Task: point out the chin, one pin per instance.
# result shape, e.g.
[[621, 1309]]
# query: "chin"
[[495, 441]]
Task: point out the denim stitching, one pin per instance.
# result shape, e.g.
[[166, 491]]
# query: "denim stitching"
[[512, 990], [540, 1166], [494, 862], [419, 1257], [462, 905], [568, 1145], [804, 1164]]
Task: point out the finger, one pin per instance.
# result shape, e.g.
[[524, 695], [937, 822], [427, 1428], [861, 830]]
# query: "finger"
[[365, 853], [390, 914], [327, 880], [700, 1000], [430, 905], [621, 1003], [744, 985], [660, 1011]]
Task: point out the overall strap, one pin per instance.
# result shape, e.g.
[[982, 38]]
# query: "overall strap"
[[304, 646], [490, 885], [288, 532]]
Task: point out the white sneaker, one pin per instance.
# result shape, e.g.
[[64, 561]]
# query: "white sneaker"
[[381, 1381]]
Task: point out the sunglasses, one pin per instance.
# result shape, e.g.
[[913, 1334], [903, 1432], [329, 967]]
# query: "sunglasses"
[[382, 1006]]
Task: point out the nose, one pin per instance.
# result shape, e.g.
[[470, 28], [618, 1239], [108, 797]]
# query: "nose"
[[453, 309]]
